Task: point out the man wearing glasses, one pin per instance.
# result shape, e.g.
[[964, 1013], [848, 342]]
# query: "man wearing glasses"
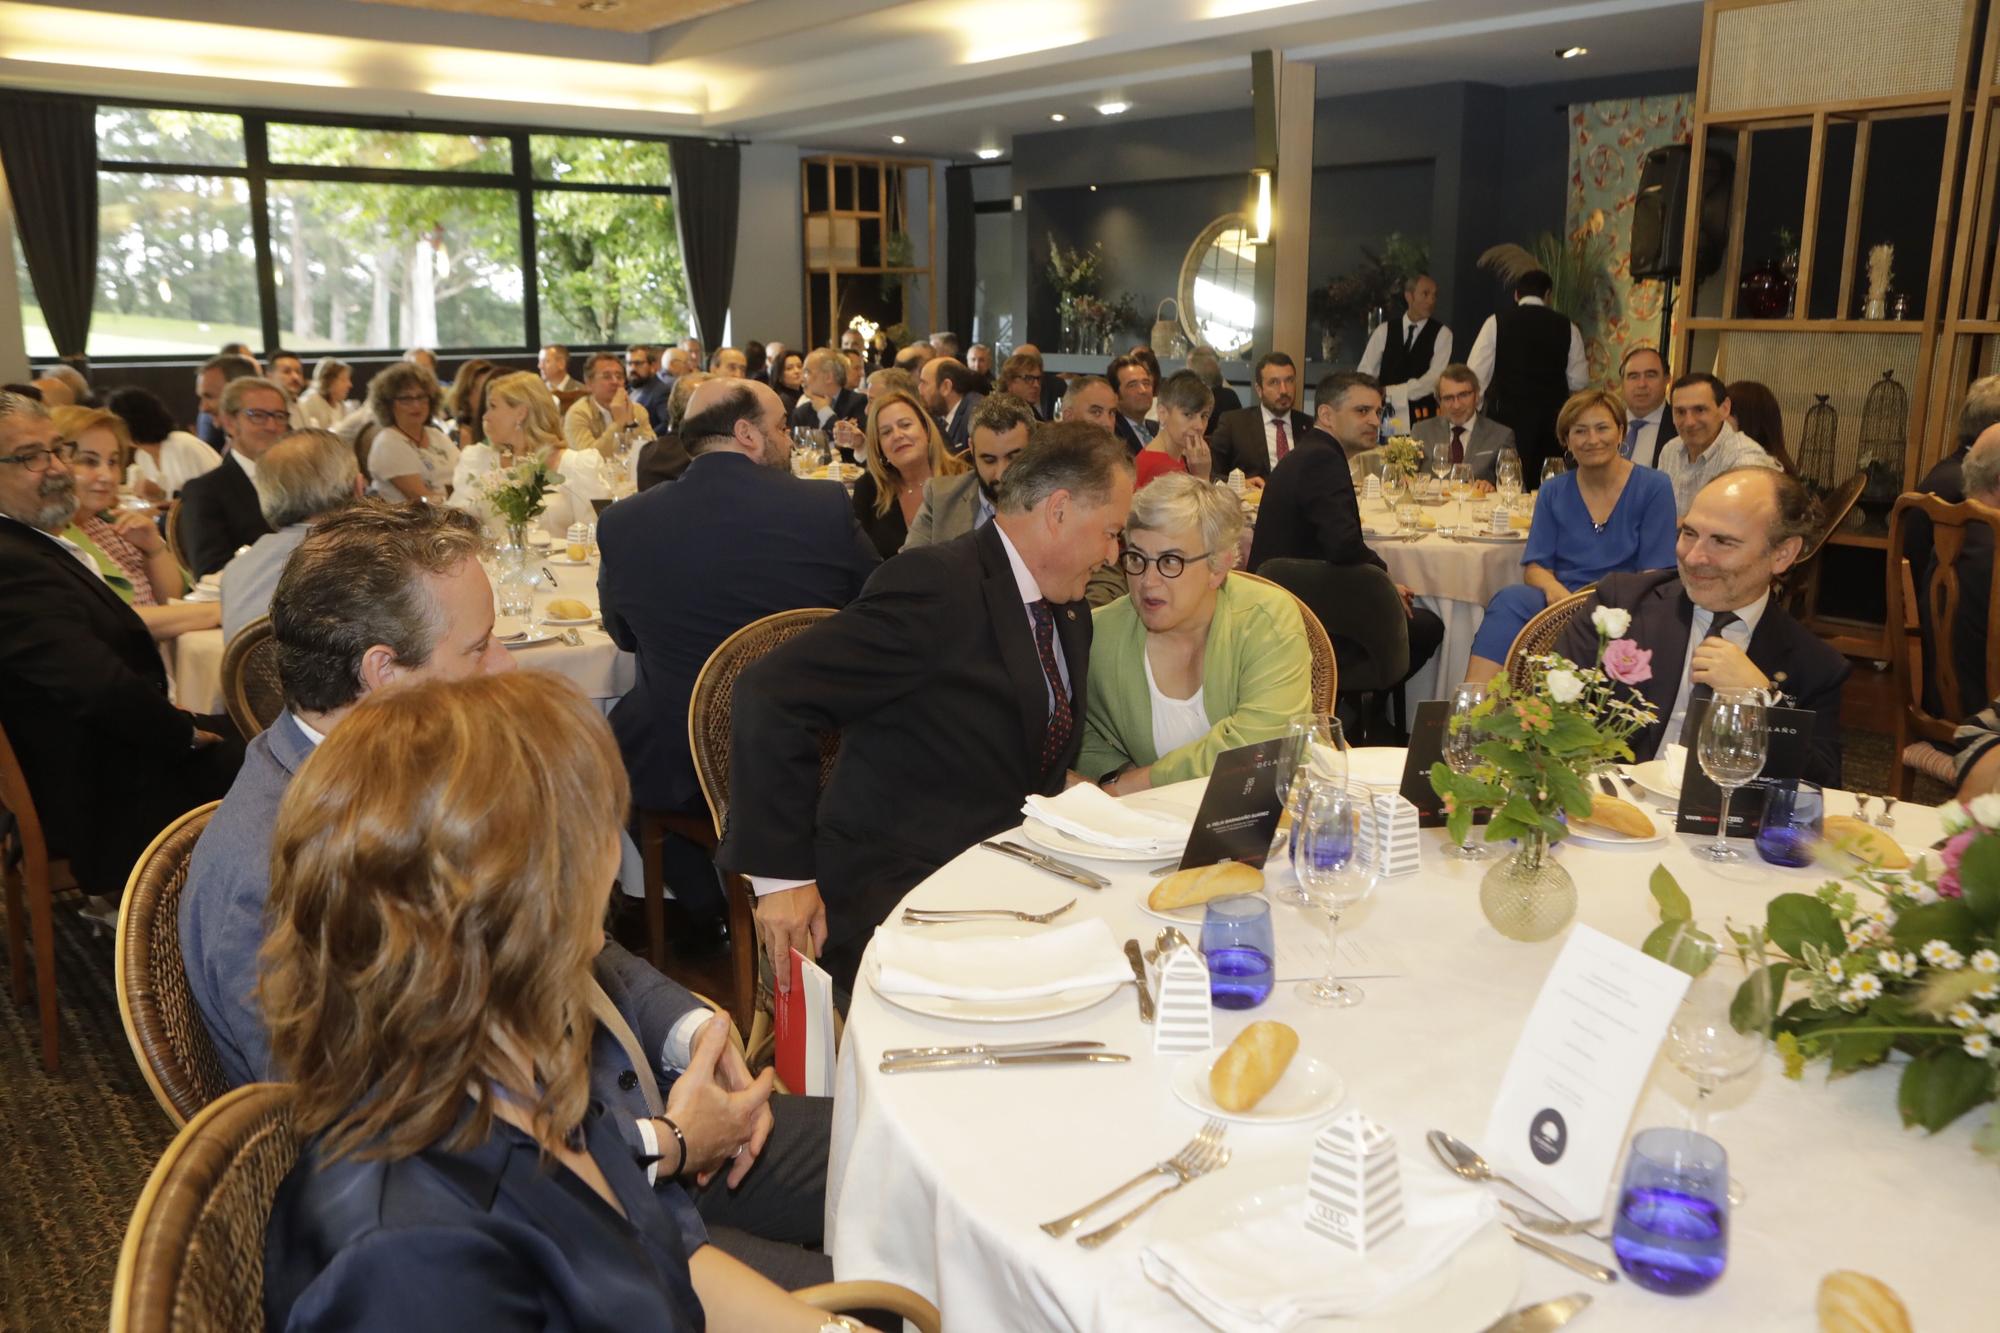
[[83, 695], [219, 510]]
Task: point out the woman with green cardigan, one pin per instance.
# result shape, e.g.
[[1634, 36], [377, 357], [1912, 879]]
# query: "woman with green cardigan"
[[1192, 662]]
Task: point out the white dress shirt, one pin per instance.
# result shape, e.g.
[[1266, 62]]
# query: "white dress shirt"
[[1737, 633], [1481, 360], [183, 457], [1422, 386]]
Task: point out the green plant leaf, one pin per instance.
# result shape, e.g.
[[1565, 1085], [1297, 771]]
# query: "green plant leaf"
[[1759, 998], [1979, 877], [1950, 921], [1794, 918], [1678, 944], [1940, 1086], [1674, 904]]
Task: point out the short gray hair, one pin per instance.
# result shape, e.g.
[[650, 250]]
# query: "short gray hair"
[[234, 392], [1981, 472], [1176, 500], [20, 405], [1982, 409], [826, 360], [1082, 382], [1072, 456], [304, 475]]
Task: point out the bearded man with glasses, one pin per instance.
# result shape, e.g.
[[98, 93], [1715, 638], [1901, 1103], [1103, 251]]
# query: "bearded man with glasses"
[[219, 509]]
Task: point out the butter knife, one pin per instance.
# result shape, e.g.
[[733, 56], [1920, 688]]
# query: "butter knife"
[[1575, 1263], [986, 1048], [993, 1061], [1062, 869], [1138, 962], [1542, 1317]]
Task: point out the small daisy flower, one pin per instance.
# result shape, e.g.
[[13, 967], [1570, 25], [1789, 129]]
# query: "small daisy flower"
[[1991, 1023], [1963, 1015], [1857, 940], [1849, 999], [1991, 990], [1986, 961], [1941, 955], [1835, 970], [1867, 986], [1909, 965], [1977, 1045], [1890, 961]]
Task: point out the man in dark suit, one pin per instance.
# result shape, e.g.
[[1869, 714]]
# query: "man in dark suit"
[[762, 540], [826, 403], [956, 683], [949, 392], [1713, 624], [83, 696], [1649, 422], [1530, 358], [219, 509], [1309, 510], [1256, 438], [1021, 376], [1132, 380]]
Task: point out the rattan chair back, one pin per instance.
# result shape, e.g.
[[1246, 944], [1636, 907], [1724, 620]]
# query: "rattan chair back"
[[1325, 668], [251, 688], [1541, 634], [715, 691], [154, 1002]]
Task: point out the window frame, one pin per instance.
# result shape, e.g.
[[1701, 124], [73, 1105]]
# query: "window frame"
[[259, 171]]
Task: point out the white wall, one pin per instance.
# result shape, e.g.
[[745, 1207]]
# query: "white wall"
[[768, 299]]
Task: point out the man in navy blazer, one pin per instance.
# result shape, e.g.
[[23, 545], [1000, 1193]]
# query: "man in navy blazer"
[[951, 393], [219, 509]]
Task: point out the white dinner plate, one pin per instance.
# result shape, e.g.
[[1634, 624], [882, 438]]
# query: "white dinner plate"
[[1656, 777], [1604, 837], [528, 640], [1469, 1291], [1309, 1089], [1496, 537], [566, 622], [1379, 766], [1063, 844], [992, 1011]]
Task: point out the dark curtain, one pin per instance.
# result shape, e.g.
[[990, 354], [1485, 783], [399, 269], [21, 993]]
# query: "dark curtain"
[[48, 147], [961, 243], [707, 186]]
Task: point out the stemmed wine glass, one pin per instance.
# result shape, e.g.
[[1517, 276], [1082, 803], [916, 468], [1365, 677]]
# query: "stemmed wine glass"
[[1461, 741], [1315, 751], [1507, 478], [1703, 1040], [1734, 739], [1460, 482], [1337, 869], [1553, 468], [1439, 458]]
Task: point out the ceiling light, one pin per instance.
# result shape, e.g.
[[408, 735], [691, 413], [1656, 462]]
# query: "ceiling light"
[[1572, 52], [988, 154], [1093, 189], [1058, 117], [897, 138], [1113, 108]]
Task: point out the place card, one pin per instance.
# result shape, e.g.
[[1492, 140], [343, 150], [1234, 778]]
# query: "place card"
[[1427, 726], [1240, 808], [1700, 806], [1395, 820], [1355, 1186], [1559, 1119], [1184, 1021]]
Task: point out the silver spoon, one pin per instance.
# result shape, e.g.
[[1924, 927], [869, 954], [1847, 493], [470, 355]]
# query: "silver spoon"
[[1165, 943], [1464, 1161], [1551, 1227]]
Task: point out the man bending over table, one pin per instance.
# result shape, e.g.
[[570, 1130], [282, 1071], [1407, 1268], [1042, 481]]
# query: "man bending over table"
[[1712, 623], [956, 682]]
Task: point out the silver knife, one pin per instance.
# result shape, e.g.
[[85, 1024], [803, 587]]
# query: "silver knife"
[[1575, 1263], [1541, 1318], [985, 1048], [1057, 863], [992, 1061], [1138, 962], [1059, 868]]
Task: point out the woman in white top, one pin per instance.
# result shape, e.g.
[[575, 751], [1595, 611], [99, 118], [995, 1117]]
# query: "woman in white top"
[[163, 459], [323, 404], [408, 458], [522, 421]]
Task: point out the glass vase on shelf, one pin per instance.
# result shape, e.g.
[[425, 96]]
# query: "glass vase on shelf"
[[1527, 895]]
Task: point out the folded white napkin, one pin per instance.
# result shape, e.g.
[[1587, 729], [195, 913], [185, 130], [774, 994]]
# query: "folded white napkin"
[[1271, 1274], [1087, 812], [1016, 968]]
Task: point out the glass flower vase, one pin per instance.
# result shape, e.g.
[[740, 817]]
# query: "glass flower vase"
[[1528, 896]]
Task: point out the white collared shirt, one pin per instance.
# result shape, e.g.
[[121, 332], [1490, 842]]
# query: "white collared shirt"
[[1417, 386], [248, 464], [1738, 634], [1485, 346], [83, 557]]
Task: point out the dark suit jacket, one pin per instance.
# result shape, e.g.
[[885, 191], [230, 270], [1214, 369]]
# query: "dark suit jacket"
[[1239, 440], [1126, 435], [887, 532], [958, 437], [932, 680], [661, 459], [687, 565], [1805, 668], [652, 394], [1227, 400], [83, 700], [1309, 510], [849, 406], [218, 514]]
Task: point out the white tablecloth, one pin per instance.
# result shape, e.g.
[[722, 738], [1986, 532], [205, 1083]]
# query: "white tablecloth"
[[938, 1181], [1456, 579]]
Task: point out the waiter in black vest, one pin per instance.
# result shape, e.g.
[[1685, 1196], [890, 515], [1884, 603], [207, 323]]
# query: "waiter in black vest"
[[1409, 363], [1531, 360]]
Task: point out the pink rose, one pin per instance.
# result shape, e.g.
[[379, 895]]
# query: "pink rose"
[[1627, 663], [1951, 854]]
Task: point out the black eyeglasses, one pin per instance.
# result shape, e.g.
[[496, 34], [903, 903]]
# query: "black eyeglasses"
[[257, 416], [1170, 563], [37, 460]]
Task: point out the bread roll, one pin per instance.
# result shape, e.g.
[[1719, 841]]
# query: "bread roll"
[[1252, 1065], [1864, 842], [1851, 1302], [1608, 812], [569, 608], [1189, 888]]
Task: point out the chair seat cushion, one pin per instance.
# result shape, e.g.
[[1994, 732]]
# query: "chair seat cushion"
[[1932, 762]]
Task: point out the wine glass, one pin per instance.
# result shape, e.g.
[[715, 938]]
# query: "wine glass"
[[1315, 749], [1460, 481], [1507, 477], [1336, 869], [1734, 739], [1461, 741], [1392, 484], [1704, 1042], [1553, 468], [1439, 457]]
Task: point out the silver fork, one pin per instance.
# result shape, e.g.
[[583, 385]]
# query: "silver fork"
[[920, 916], [1555, 1226], [1212, 1157], [1209, 1138]]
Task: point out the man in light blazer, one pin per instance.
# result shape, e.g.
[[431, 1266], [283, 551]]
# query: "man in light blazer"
[[954, 506], [1480, 438]]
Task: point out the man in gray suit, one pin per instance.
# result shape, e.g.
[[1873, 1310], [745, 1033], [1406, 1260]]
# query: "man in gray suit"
[[307, 474], [1475, 438], [954, 506]]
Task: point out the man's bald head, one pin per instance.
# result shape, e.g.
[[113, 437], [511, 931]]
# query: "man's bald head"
[[1741, 532], [739, 415]]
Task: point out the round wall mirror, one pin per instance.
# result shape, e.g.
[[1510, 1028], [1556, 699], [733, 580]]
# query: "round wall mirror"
[[1218, 294]]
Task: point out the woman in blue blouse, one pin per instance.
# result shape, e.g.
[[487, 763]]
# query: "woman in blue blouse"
[[1605, 515]]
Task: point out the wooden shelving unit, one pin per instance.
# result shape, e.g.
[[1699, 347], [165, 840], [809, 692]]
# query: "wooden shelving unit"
[[854, 208]]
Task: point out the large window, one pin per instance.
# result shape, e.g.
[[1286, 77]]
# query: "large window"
[[373, 237]]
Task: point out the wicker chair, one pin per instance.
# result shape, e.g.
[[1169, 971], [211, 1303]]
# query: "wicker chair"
[[1325, 668], [251, 690], [172, 532], [25, 864], [1923, 740], [154, 1003], [1541, 634], [193, 1257]]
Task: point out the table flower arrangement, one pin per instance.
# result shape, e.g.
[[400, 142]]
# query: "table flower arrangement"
[[519, 495], [1403, 456], [1537, 748]]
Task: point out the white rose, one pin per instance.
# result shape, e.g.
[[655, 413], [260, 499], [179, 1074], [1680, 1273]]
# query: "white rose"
[[1986, 809], [1611, 621], [1565, 688], [1952, 816]]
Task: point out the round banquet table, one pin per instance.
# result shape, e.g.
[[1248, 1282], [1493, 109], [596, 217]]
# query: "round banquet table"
[[598, 666], [1454, 578], [939, 1180]]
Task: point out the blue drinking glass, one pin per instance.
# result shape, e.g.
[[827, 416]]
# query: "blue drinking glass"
[[1236, 938], [1672, 1232], [1793, 812]]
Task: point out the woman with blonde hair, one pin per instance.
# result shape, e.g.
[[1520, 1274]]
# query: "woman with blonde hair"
[[1193, 660], [905, 449], [522, 421], [441, 872]]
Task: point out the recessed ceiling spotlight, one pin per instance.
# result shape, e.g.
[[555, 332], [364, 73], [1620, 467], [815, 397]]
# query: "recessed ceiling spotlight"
[[1572, 52], [1058, 117], [1093, 189], [897, 138], [988, 154], [1113, 108]]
